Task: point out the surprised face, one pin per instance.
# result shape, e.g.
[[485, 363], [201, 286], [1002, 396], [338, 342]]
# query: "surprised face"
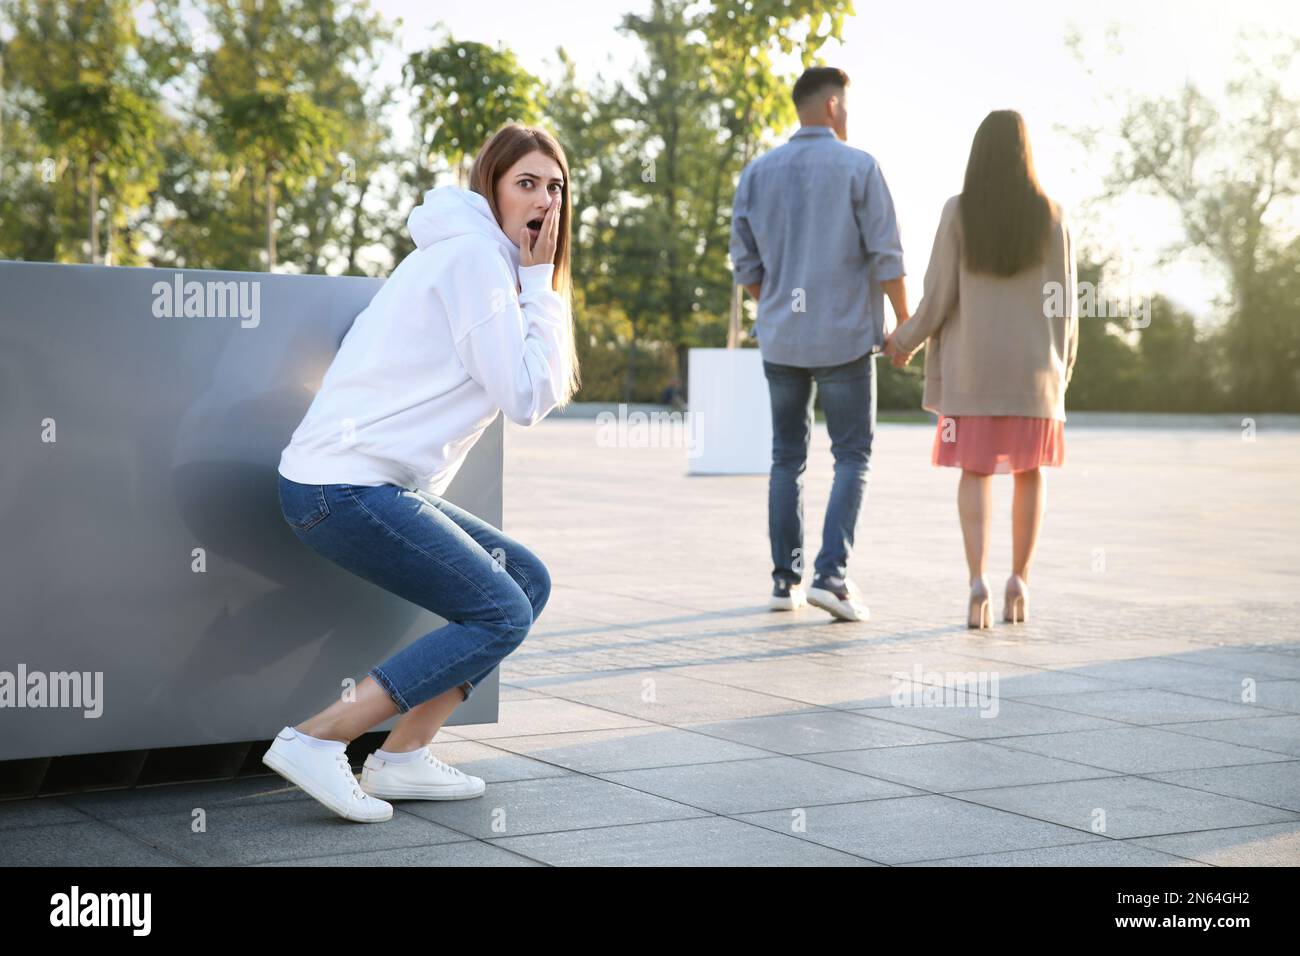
[[526, 191]]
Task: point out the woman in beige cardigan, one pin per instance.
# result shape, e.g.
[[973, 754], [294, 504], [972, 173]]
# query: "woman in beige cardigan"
[[998, 311]]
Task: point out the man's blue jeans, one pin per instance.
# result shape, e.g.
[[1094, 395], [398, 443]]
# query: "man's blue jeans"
[[848, 400], [423, 548]]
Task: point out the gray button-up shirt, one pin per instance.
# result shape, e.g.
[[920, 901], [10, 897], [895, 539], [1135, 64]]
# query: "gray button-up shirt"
[[813, 221]]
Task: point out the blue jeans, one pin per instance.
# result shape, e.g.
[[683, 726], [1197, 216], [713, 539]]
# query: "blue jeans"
[[423, 548], [848, 394]]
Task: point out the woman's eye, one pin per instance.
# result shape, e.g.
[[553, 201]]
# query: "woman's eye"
[[557, 187]]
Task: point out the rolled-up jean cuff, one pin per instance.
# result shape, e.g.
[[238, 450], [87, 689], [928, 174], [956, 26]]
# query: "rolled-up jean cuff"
[[386, 684]]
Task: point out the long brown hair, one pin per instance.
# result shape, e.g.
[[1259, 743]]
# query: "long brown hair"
[[503, 149], [1005, 215]]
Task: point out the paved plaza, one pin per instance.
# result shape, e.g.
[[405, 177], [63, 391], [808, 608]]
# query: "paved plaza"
[[1147, 715]]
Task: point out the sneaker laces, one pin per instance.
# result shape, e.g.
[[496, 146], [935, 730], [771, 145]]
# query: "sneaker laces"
[[357, 792], [430, 758]]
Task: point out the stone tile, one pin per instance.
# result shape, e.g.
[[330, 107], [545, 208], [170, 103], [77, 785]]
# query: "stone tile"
[[573, 802], [818, 731], [706, 841], [1276, 734], [906, 829], [744, 786], [907, 659], [801, 680], [1132, 806], [495, 763], [511, 692], [1024, 683], [1054, 654], [1272, 784], [1266, 697], [1014, 680], [627, 748], [464, 853], [961, 765], [1276, 844], [545, 716], [1006, 718], [286, 830], [1278, 695], [38, 811], [213, 796], [1167, 672], [1141, 749], [1104, 853], [78, 844], [1259, 664], [1153, 705], [663, 696]]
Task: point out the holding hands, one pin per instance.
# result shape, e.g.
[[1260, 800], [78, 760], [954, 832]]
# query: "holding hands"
[[897, 356]]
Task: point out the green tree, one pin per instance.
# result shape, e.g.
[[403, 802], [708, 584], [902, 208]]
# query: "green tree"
[[465, 92], [1175, 360], [1107, 372], [92, 103], [281, 137], [706, 95], [1231, 169], [265, 117], [612, 254], [280, 133], [29, 227]]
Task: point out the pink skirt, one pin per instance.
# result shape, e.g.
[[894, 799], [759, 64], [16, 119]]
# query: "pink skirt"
[[998, 444]]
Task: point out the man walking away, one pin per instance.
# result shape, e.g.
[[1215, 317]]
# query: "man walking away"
[[815, 240]]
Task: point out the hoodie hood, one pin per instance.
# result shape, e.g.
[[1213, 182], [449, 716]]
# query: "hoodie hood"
[[450, 211]]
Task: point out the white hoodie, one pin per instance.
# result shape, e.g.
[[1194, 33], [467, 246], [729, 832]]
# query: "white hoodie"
[[458, 333]]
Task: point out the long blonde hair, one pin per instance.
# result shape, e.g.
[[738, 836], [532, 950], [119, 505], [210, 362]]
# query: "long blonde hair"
[[503, 149]]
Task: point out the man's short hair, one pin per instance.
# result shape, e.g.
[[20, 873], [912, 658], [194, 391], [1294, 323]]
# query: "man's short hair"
[[816, 81]]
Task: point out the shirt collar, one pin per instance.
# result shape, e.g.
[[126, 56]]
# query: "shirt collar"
[[813, 131]]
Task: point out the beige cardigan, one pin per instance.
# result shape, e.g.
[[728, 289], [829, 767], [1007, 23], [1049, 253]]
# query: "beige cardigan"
[[997, 345]]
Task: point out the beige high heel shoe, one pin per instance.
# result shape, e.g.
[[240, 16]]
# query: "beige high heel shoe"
[[1015, 608], [979, 614]]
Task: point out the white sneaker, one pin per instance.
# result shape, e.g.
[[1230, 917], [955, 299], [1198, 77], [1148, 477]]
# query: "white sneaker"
[[424, 778], [325, 775], [840, 597]]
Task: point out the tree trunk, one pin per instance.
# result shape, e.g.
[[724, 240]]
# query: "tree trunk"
[[94, 204], [357, 234], [108, 239], [270, 222], [629, 376], [733, 321], [683, 369]]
